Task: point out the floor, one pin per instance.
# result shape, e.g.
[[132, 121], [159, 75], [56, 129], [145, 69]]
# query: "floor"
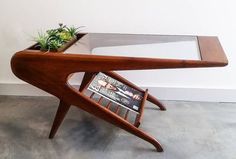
[[187, 130]]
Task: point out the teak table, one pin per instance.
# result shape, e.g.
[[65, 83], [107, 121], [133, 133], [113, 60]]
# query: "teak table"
[[104, 52]]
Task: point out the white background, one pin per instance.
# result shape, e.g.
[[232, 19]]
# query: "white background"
[[21, 20]]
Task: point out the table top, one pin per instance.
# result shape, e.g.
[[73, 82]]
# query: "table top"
[[138, 45], [110, 51]]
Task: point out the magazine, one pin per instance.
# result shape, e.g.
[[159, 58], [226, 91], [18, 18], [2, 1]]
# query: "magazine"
[[116, 92]]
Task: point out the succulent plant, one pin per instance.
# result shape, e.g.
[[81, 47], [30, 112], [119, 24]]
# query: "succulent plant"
[[65, 36], [42, 40], [72, 31]]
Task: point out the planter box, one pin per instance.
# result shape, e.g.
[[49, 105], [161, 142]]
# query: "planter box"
[[61, 49]]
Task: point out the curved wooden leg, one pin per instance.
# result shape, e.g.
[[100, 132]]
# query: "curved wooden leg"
[[145, 137], [60, 115], [155, 101]]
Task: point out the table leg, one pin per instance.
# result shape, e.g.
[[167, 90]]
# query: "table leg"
[[155, 101], [60, 115], [87, 77]]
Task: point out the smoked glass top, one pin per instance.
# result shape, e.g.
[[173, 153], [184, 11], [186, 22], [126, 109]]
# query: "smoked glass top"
[[138, 45]]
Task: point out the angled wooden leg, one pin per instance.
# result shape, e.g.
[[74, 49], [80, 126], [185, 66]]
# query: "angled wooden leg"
[[137, 132], [61, 112], [87, 77], [148, 138], [150, 98], [155, 101]]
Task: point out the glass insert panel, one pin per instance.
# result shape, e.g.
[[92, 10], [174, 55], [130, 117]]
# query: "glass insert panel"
[[134, 45]]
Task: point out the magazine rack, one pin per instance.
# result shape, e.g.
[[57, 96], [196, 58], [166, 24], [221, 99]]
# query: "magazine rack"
[[116, 110], [51, 71]]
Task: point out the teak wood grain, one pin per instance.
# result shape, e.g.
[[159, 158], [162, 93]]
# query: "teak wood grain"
[[50, 72]]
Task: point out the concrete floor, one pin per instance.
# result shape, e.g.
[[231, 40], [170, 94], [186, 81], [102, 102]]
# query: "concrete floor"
[[187, 130]]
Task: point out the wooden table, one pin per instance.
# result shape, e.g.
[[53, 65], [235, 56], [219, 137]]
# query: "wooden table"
[[103, 52]]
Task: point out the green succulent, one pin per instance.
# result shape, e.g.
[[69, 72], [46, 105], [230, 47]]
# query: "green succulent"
[[65, 36], [42, 40], [73, 31], [54, 44], [52, 32]]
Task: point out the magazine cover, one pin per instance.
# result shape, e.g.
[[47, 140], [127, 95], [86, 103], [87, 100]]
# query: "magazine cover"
[[116, 91]]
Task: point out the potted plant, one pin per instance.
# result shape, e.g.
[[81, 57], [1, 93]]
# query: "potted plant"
[[56, 40]]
